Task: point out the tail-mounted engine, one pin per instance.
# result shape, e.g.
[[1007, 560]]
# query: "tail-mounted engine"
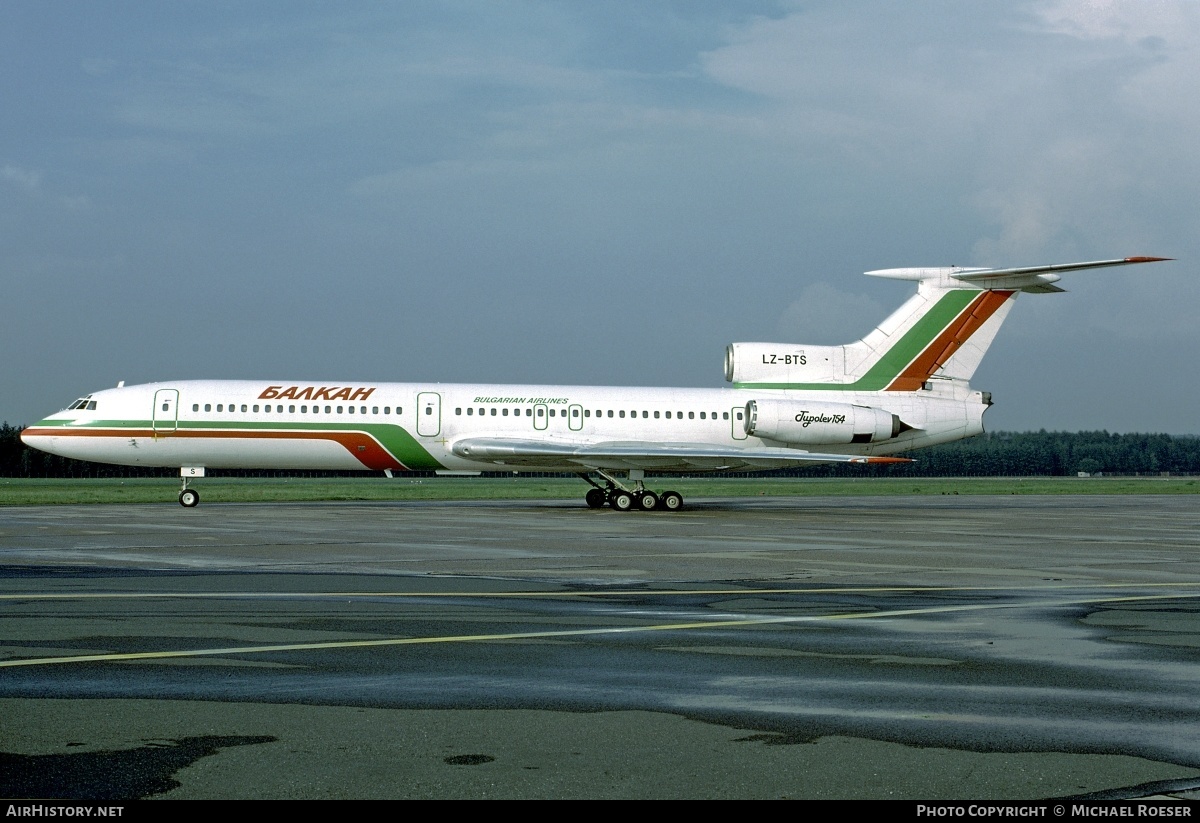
[[784, 363], [820, 424]]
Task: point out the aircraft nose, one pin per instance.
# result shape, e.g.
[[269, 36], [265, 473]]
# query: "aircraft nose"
[[28, 437], [34, 436]]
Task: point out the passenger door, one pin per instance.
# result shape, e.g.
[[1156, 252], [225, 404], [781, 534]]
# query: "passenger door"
[[429, 414], [164, 416]]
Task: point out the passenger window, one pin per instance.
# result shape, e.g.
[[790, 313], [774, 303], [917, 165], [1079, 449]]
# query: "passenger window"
[[243, 407], [668, 415], [470, 411], [195, 407], [339, 409], [701, 415], [622, 413], [574, 412], [610, 413], [291, 409], [208, 407], [351, 409], [587, 412], [541, 412], [656, 415], [387, 409], [645, 415], [256, 408], [724, 415], [505, 412], [328, 408], [375, 410], [691, 415]]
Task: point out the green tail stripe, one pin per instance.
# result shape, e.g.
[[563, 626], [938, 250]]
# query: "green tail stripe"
[[896, 358]]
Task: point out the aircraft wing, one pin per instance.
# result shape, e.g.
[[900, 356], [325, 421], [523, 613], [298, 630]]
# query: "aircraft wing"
[[651, 456]]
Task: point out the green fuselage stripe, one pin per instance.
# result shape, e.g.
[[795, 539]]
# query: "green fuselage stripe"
[[395, 439]]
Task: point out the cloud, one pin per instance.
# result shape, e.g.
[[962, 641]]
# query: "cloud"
[[29, 181], [1116, 19], [824, 315], [26, 179]]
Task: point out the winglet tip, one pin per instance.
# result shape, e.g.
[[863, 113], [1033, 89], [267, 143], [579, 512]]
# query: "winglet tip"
[[1147, 259]]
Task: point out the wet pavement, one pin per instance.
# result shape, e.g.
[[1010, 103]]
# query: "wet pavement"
[[935, 648]]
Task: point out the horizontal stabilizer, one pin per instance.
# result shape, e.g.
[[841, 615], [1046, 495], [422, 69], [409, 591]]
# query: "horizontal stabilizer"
[[1035, 279]]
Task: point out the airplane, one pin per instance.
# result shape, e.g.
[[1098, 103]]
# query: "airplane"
[[904, 386]]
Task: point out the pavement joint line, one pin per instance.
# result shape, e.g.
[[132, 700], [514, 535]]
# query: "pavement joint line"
[[411, 641], [533, 594]]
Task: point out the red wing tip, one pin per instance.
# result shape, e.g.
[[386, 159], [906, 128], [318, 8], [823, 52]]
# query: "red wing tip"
[[1147, 259], [887, 460]]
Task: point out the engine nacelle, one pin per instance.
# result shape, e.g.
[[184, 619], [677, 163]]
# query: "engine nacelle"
[[784, 363], [820, 424]]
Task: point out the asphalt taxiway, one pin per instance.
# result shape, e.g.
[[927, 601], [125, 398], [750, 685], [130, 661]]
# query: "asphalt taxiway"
[[952, 647]]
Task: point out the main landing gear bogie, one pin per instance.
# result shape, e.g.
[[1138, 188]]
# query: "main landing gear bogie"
[[622, 499]]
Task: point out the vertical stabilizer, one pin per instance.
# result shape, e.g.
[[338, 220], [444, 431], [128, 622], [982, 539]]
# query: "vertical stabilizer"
[[941, 332]]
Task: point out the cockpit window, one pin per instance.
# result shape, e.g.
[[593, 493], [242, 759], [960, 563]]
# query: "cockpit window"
[[83, 403]]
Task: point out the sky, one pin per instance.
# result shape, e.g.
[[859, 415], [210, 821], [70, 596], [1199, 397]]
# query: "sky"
[[592, 193]]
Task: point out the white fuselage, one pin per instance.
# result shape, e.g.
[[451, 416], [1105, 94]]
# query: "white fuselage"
[[401, 426]]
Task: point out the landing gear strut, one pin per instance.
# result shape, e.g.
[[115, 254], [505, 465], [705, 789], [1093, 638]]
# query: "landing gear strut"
[[189, 498], [618, 496]]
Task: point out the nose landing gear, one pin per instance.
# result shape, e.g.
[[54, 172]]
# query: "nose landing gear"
[[189, 498]]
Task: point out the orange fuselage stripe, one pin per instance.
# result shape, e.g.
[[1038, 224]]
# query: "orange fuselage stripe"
[[362, 446]]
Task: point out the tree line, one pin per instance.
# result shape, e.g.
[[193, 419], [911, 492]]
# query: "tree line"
[[997, 454]]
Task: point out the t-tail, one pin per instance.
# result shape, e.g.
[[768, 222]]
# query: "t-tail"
[[940, 333]]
